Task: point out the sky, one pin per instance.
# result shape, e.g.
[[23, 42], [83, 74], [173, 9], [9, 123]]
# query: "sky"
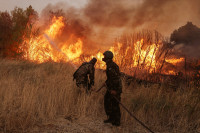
[[8, 5]]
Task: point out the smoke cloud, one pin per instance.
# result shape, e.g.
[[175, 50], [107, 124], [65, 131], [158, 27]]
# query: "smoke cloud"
[[187, 39], [162, 15], [100, 21]]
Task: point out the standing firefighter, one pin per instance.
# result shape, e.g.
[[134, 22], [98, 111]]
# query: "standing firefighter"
[[84, 75], [114, 90]]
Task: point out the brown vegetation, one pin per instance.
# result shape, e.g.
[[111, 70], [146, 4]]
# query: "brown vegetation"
[[32, 94]]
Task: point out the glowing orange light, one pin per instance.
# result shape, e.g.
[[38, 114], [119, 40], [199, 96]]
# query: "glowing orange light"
[[174, 60], [39, 49]]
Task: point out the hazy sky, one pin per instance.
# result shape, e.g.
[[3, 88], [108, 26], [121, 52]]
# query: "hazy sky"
[[36, 4]]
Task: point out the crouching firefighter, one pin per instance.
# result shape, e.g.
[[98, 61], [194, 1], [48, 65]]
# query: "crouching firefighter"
[[114, 90], [84, 75]]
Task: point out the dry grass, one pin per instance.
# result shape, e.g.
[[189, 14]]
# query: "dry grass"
[[31, 94], [165, 110]]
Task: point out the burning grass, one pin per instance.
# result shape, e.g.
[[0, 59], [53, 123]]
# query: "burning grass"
[[32, 94], [146, 50]]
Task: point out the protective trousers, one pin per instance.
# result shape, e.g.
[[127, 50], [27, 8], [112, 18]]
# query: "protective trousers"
[[111, 106]]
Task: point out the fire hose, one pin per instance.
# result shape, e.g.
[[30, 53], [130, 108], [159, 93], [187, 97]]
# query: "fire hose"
[[141, 123], [104, 85]]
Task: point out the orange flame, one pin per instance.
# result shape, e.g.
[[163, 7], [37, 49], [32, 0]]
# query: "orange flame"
[[39, 49], [73, 51], [56, 27], [174, 61], [138, 57]]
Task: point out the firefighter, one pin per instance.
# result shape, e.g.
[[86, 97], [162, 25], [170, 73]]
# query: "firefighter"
[[84, 75], [114, 90]]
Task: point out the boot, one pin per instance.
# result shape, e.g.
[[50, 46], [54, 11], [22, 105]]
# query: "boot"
[[109, 120], [116, 123]]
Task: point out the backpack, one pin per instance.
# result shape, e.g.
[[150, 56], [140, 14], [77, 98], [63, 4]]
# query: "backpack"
[[81, 71]]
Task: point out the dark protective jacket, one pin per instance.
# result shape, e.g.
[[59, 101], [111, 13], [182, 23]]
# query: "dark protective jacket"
[[113, 81], [82, 73]]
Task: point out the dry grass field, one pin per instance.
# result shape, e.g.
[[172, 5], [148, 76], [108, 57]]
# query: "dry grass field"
[[37, 98]]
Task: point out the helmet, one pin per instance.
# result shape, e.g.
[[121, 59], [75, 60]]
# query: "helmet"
[[108, 55], [93, 60]]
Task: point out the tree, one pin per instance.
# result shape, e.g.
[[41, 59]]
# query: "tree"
[[14, 29], [5, 32]]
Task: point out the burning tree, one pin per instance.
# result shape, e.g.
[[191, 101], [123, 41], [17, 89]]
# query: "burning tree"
[[14, 29]]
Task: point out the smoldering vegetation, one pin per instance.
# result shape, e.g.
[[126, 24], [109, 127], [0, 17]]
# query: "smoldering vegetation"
[[33, 94]]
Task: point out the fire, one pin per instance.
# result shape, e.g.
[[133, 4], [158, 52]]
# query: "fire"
[[145, 56], [73, 51], [171, 72], [42, 49], [46, 47], [56, 27], [174, 61], [136, 57], [99, 57]]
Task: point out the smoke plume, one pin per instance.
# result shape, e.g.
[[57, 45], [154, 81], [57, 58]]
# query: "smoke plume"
[[100, 21], [187, 39]]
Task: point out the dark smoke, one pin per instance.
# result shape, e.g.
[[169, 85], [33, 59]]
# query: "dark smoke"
[[162, 15], [187, 39], [110, 13], [101, 21]]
